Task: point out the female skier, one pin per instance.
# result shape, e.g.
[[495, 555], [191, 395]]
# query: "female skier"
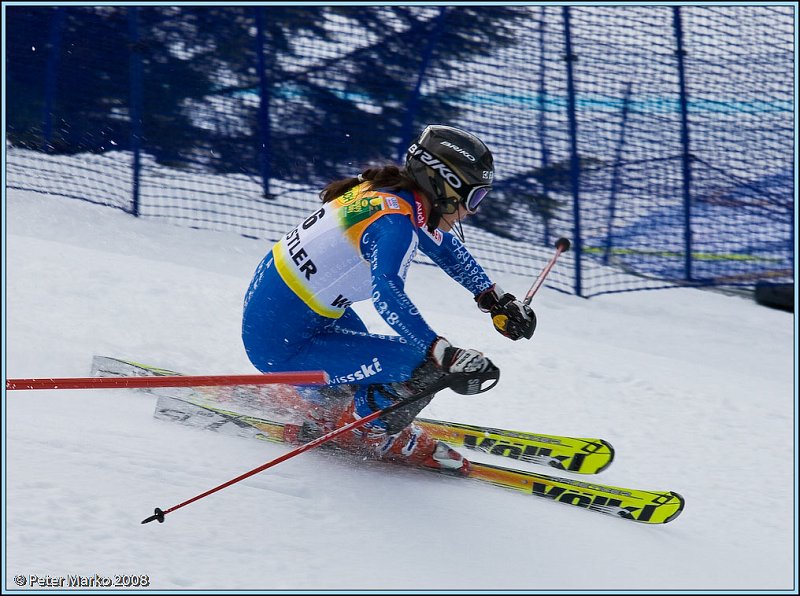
[[357, 246]]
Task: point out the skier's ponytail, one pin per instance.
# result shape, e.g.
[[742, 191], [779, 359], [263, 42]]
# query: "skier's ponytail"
[[388, 177]]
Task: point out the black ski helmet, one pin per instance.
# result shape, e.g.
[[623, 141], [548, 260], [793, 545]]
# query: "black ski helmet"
[[452, 166]]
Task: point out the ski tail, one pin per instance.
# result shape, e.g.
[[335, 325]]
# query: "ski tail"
[[104, 366]]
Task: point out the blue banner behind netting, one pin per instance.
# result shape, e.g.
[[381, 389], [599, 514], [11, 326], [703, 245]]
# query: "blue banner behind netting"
[[660, 139]]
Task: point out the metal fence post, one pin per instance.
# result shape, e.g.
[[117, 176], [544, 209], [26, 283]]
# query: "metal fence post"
[[542, 122], [686, 160], [574, 166], [136, 103]]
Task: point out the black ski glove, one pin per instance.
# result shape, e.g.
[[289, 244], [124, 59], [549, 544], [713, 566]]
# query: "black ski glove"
[[464, 371], [511, 317], [469, 368]]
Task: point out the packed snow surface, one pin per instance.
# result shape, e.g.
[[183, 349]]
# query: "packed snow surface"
[[694, 389]]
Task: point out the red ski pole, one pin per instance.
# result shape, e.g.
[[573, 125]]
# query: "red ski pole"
[[159, 514], [490, 376], [562, 245]]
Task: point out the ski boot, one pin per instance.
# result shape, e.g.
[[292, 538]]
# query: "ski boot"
[[412, 445]]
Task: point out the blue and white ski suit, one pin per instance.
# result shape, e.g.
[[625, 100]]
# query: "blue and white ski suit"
[[297, 313]]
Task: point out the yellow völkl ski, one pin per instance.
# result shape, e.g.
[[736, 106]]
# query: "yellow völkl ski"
[[636, 505]]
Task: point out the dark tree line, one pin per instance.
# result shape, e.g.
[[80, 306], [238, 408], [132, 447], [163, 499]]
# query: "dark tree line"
[[205, 70], [304, 94]]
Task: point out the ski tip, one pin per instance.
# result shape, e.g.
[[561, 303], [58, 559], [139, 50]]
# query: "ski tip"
[[682, 503], [157, 515], [611, 454]]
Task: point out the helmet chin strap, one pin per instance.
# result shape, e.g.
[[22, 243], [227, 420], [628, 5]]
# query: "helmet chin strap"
[[460, 233], [456, 227]]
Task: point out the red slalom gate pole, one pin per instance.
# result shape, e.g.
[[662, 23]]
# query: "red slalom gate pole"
[[313, 377], [562, 245]]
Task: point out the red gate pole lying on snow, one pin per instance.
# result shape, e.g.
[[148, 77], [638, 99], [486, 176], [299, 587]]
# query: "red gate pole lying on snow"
[[313, 377]]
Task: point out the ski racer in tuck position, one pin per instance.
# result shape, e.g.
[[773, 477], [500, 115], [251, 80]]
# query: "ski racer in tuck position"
[[358, 246]]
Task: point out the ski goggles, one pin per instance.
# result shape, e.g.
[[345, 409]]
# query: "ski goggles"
[[474, 198]]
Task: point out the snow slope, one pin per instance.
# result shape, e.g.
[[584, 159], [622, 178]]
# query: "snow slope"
[[694, 389]]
